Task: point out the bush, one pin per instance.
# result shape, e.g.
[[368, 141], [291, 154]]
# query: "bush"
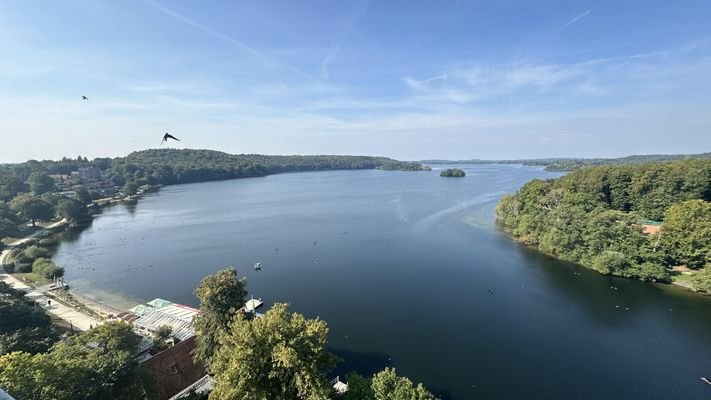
[[47, 268], [34, 252], [49, 242], [23, 268], [702, 280]]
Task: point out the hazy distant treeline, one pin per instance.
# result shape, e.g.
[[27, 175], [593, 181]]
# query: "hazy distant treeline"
[[571, 164]]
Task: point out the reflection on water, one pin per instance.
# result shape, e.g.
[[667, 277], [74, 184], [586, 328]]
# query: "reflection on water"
[[411, 273]]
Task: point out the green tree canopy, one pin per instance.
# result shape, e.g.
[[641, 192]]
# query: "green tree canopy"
[[129, 189], [84, 196], [23, 326], [72, 210], [47, 268], [221, 297], [10, 187], [8, 221], [388, 386], [32, 208], [97, 364], [702, 280], [686, 233], [594, 217], [40, 183], [281, 355], [452, 173]]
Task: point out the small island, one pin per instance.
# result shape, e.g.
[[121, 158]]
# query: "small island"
[[453, 173]]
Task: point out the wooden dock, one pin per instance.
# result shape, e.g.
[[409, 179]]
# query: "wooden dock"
[[252, 305]]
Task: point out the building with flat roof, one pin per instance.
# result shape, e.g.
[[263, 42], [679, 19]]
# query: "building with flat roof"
[[158, 313]]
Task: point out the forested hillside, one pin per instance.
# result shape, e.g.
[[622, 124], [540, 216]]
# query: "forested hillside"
[[171, 166], [595, 216]]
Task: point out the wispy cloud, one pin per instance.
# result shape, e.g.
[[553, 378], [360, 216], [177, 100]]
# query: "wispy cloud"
[[422, 84], [256, 54], [341, 38], [578, 18]]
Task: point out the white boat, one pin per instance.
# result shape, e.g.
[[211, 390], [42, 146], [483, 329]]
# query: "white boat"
[[257, 266]]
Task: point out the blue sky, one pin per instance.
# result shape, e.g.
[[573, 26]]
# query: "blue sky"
[[406, 79]]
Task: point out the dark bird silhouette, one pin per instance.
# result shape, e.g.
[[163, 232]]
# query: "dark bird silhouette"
[[491, 291], [84, 98], [168, 136]]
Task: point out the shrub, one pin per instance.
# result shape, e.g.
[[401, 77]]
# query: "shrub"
[[47, 268]]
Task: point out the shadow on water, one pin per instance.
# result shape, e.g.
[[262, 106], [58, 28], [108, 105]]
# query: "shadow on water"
[[364, 363], [367, 364], [612, 301]]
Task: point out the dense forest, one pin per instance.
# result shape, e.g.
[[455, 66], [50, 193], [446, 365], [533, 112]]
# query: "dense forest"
[[595, 216], [171, 166], [571, 164]]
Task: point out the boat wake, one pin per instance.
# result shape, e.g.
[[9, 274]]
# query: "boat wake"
[[432, 219]]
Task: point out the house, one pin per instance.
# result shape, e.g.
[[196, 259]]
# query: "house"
[[158, 313], [173, 370]]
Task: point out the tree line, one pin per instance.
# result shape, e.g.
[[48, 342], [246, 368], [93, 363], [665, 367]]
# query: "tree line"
[[571, 164], [595, 216], [26, 189]]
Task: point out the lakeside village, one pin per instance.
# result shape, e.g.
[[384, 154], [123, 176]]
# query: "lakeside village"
[[104, 191], [166, 328]]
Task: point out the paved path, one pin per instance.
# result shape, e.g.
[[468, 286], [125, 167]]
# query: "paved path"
[[78, 319]]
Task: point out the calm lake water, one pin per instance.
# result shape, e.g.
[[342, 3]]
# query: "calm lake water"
[[400, 265]]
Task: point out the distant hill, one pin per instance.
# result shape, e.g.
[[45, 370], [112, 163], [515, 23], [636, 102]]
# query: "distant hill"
[[173, 166], [570, 164]]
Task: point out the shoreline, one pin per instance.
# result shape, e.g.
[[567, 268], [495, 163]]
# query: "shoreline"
[[48, 299], [686, 285]]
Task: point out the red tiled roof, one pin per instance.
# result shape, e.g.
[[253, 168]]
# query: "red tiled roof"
[[174, 369]]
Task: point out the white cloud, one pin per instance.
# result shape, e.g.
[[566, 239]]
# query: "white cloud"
[[577, 18]]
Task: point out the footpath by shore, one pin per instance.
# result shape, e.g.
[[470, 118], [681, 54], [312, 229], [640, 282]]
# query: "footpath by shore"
[[42, 296]]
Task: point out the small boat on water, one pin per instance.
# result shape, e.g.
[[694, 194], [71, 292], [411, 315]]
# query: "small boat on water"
[[257, 266], [706, 380]]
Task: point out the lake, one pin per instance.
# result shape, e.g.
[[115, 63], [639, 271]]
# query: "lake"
[[402, 266]]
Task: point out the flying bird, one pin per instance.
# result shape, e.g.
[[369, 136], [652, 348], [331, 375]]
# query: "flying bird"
[[84, 98], [168, 136]]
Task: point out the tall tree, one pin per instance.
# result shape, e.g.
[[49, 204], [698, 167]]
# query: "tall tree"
[[221, 297], [97, 364], [73, 210], [686, 233], [23, 327], [40, 183], [388, 386], [129, 189], [281, 355], [32, 208], [10, 187]]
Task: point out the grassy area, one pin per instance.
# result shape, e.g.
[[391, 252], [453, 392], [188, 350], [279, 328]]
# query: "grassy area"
[[682, 277], [32, 279]]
